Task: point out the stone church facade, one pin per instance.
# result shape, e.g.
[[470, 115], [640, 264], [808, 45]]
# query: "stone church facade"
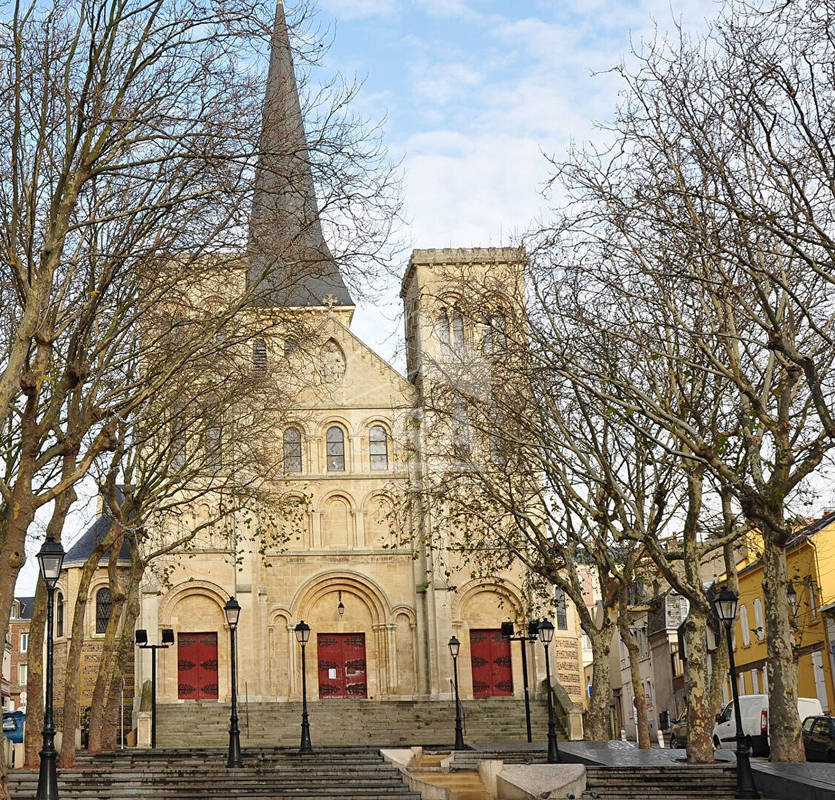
[[381, 610]]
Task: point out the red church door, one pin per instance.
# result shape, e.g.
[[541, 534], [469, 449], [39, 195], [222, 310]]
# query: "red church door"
[[342, 665], [490, 658], [197, 666]]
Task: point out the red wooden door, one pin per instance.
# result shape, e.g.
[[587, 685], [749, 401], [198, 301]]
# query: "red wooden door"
[[342, 665], [197, 666], [490, 658]]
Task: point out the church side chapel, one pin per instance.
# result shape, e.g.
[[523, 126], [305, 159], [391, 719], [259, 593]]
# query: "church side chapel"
[[381, 607]]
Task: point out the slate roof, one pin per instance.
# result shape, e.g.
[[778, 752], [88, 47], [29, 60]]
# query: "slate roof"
[[290, 263], [26, 606], [84, 546]]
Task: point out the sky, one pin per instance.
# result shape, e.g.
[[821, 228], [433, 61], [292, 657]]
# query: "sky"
[[475, 94]]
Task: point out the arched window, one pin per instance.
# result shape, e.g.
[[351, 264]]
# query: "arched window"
[[460, 428], [292, 450], [214, 452], [443, 331], [259, 355], [378, 447], [494, 334], [743, 625], [758, 619], [335, 440], [59, 614], [104, 605], [561, 614], [458, 343]]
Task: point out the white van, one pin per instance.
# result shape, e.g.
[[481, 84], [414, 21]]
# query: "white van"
[[754, 711]]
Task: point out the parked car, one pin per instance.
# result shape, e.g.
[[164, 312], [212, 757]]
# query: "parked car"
[[754, 711], [13, 722], [678, 732], [819, 738]]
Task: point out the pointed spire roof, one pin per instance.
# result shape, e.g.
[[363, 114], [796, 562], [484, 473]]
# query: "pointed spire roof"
[[289, 258]]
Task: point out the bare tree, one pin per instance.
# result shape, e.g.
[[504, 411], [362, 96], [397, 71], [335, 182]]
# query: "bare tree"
[[677, 219], [131, 138]]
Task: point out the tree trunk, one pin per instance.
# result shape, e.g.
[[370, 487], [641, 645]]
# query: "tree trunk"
[[12, 558], [718, 673], [720, 661], [597, 717], [699, 708], [107, 661], [635, 673], [784, 722], [71, 686], [33, 739], [34, 684], [112, 715]]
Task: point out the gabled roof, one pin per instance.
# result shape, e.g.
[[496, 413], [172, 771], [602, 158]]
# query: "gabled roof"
[[289, 259], [84, 546]]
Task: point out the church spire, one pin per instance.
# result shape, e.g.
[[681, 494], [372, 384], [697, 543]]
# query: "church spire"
[[289, 258]]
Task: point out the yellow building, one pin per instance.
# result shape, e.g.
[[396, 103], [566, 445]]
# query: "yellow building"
[[810, 558]]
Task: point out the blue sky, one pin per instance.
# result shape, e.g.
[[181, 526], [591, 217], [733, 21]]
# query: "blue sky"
[[475, 92]]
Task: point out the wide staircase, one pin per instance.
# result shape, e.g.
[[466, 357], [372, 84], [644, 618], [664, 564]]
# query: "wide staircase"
[[332, 774], [350, 722], [679, 782]]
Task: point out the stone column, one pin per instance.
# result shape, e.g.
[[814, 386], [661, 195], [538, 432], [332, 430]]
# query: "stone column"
[[394, 680]]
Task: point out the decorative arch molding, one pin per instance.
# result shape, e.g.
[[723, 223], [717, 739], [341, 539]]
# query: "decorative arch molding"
[[375, 419], [408, 611], [190, 589], [368, 591], [508, 591], [342, 495], [334, 419], [279, 613], [306, 428], [375, 494]]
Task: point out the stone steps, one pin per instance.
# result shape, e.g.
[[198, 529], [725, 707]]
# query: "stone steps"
[[671, 782], [343, 774], [358, 722], [468, 759]]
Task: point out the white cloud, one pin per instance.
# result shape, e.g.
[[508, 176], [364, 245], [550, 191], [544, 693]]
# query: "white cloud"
[[442, 83], [466, 190]]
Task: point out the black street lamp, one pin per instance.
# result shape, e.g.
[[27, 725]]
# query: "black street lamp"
[[546, 636], [533, 630], [725, 604], [302, 637], [50, 560], [454, 647], [141, 638], [232, 609]]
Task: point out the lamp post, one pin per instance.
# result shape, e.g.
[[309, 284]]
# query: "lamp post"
[[725, 604], [232, 609], [454, 648], [302, 637], [141, 638], [546, 636], [533, 630], [50, 560]]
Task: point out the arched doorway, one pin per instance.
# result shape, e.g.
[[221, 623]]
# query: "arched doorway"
[[351, 654]]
